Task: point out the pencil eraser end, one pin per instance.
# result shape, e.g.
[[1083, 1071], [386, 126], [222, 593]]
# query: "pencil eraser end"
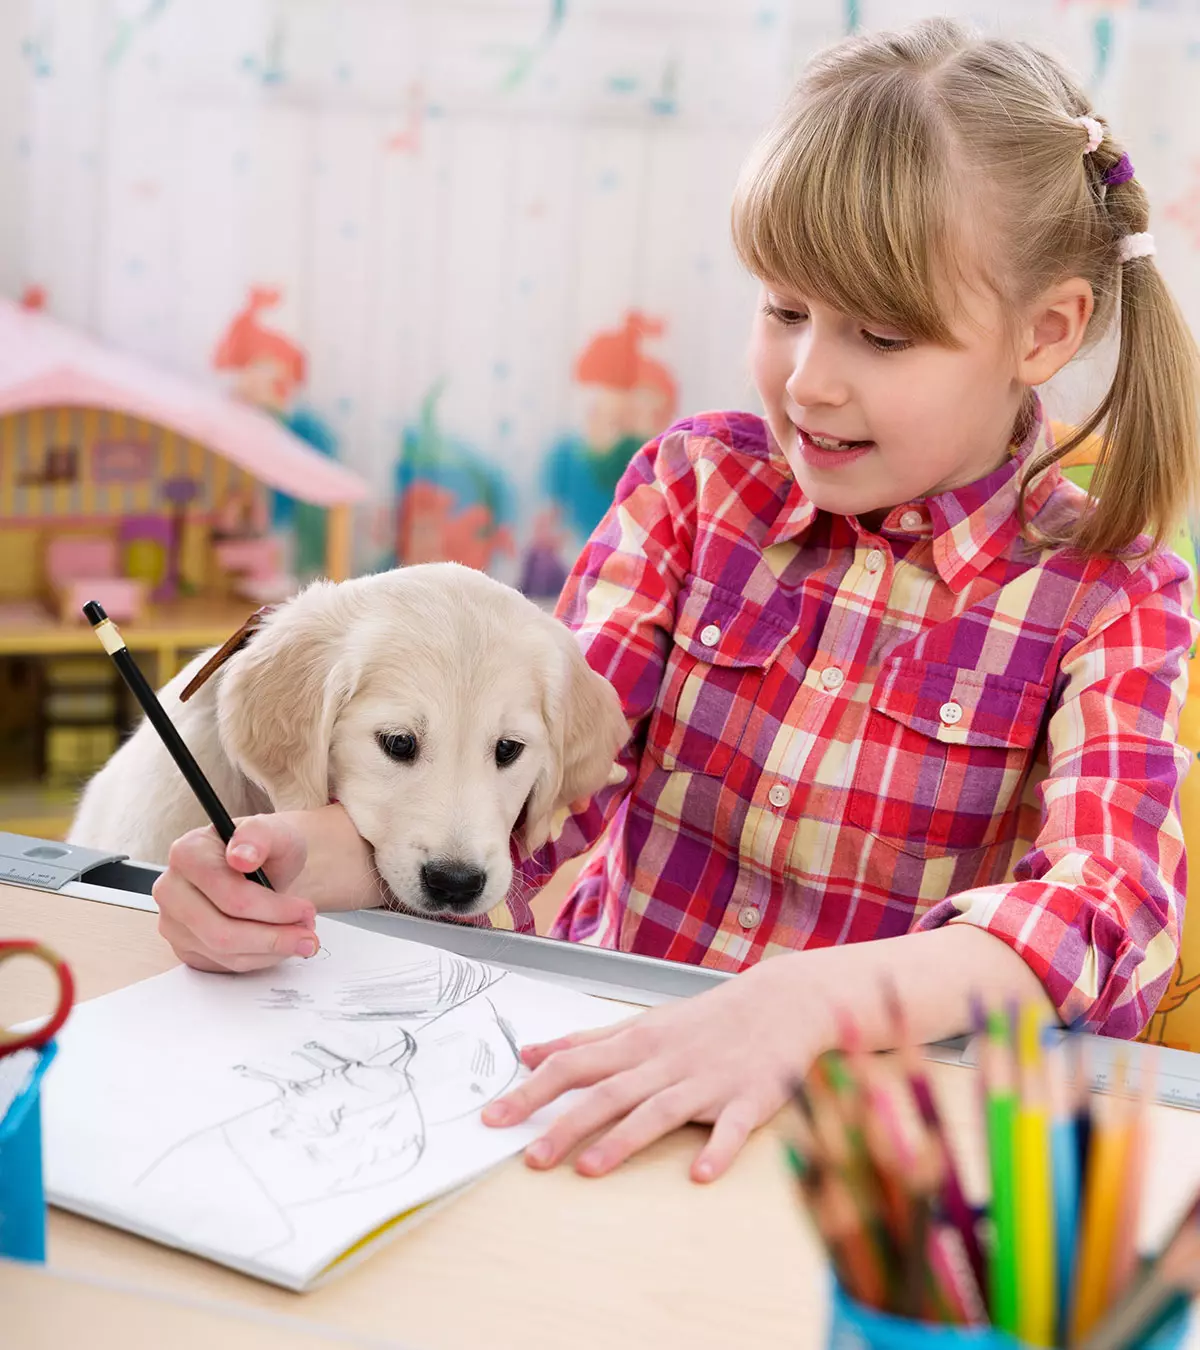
[[94, 613]]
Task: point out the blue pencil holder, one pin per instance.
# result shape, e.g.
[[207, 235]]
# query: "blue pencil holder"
[[855, 1327], [22, 1198]]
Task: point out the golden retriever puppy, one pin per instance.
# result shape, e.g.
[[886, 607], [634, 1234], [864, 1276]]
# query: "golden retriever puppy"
[[441, 708]]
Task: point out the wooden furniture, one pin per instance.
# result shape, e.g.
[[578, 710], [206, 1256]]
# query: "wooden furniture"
[[524, 1260]]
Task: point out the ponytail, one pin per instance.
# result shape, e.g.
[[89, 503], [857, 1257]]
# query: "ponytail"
[[1148, 467]]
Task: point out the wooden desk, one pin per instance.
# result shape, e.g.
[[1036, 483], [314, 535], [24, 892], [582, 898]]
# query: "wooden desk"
[[530, 1260]]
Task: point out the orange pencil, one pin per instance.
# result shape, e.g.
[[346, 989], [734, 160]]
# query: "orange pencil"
[[1108, 1157], [1125, 1260]]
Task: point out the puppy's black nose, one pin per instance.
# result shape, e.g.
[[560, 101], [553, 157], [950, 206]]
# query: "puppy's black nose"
[[452, 883]]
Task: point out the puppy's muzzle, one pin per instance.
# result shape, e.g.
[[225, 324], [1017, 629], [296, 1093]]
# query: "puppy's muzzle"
[[452, 885]]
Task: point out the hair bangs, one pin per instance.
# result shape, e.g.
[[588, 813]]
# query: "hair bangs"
[[848, 202]]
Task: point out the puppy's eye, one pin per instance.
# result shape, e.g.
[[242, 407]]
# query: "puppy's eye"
[[398, 745], [508, 752]]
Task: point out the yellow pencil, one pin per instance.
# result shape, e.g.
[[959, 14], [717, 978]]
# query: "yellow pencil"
[[1104, 1185], [1035, 1213]]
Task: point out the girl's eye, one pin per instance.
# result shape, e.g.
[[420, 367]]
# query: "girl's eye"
[[886, 344], [398, 745], [508, 752], [787, 317]]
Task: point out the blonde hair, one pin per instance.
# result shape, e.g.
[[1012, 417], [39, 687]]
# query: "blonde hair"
[[867, 194]]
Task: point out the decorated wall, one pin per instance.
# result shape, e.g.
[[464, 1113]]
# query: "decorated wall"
[[477, 250]]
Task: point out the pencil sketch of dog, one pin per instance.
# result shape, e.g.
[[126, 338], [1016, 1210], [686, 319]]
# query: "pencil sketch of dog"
[[443, 710]]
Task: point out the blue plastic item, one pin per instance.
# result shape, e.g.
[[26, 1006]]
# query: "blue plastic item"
[[853, 1327], [22, 1199]]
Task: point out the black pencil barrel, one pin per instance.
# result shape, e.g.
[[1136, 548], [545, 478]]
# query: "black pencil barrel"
[[156, 715]]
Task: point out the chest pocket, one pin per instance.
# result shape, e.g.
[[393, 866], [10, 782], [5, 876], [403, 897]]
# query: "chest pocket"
[[721, 649], [943, 758]]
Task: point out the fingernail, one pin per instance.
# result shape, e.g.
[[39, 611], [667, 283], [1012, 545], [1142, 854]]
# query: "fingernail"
[[246, 853], [539, 1152], [592, 1160], [307, 947], [704, 1171], [496, 1114]]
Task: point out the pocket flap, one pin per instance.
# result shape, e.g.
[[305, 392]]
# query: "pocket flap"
[[723, 628], [961, 707]]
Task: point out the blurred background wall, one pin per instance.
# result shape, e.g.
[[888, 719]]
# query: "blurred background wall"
[[475, 249]]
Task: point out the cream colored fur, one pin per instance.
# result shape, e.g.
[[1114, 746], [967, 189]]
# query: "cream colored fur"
[[438, 651]]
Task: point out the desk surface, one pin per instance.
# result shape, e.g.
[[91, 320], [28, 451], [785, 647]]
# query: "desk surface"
[[525, 1259]]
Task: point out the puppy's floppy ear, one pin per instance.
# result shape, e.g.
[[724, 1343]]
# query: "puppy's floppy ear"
[[586, 729], [280, 696]]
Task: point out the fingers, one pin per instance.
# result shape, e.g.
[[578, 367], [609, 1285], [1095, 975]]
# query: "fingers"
[[567, 1069], [655, 1117], [216, 919], [534, 1055], [601, 1105], [269, 842], [733, 1127], [198, 859]]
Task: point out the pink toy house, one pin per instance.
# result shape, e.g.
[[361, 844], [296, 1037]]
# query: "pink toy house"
[[140, 486]]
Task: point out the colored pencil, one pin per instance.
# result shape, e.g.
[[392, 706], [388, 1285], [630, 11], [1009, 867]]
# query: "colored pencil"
[[1171, 1281], [1064, 1158], [955, 1202], [1001, 1143], [1081, 1063], [875, 1171], [1107, 1160], [1035, 1245], [1124, 1259]]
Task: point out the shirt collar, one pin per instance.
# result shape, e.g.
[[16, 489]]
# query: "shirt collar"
[[973, 525], [970, 526]]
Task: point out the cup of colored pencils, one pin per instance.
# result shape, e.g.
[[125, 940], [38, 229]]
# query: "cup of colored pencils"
[[1049, 1260]]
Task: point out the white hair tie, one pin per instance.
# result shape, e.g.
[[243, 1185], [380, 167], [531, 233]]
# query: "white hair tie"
[[1131, 246], [1095, 132]]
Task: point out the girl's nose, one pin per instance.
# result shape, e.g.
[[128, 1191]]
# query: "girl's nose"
[[816, 380]]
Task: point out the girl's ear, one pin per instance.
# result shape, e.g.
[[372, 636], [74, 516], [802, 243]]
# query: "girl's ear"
[[1054, 330]]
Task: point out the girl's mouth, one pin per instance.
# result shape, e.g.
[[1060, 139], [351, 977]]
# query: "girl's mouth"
[[829, 452]]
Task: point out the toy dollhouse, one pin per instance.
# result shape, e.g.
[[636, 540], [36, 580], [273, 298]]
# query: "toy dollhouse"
[[148, 492], [127, 476]]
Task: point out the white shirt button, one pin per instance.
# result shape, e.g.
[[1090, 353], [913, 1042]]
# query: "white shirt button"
[[710, 635], [911, 520], [950, 713], [832, 678], [874, 560], [779, 795], [748, 916]]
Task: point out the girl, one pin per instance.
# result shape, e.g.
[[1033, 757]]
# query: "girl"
[[887, 673]]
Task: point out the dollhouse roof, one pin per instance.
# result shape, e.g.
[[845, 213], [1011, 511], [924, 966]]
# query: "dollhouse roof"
[[45, 364]]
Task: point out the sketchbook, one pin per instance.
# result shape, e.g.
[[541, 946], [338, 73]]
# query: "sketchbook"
[[286, 1122]]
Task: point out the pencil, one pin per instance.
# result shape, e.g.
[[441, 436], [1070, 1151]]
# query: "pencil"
[[1107, 1157], [1172, 1279], [1064, 1157], [1036, 1307], [1001, 1143], [1124, 1258], [955, 1202], [114, 644]]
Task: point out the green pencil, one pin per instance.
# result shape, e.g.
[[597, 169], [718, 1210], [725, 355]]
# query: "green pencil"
[[1001, 1140]]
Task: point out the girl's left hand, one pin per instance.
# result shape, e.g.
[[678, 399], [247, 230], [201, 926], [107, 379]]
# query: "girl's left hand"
[[727, 1058]]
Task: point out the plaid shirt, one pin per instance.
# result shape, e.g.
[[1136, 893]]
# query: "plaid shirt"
[[838, 735]]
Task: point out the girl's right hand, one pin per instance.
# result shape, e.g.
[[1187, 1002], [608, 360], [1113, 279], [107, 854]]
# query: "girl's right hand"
[[216, 918]]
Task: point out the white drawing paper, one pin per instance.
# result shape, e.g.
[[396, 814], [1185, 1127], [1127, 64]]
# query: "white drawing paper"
[[270, 1121]]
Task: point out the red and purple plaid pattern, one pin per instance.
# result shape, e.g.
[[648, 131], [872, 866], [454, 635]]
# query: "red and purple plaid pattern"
[[839, 735]]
